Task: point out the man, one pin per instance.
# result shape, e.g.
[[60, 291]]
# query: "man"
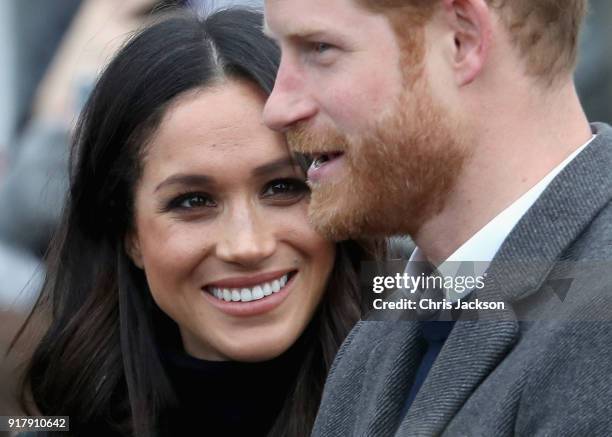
[[457, 122]]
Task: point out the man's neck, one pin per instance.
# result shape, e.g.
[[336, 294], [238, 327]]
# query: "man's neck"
[[514, 149]]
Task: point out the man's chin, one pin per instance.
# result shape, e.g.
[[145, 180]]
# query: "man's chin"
[[329, 212], [339, 214]]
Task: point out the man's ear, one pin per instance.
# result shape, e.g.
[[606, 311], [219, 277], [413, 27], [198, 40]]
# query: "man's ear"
[[472, 24], [132, 248]]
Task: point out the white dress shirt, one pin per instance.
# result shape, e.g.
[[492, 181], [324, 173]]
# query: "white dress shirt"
[[484, 244]]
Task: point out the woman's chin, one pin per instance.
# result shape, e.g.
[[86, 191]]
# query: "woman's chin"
[[259, 351], [249, 347]]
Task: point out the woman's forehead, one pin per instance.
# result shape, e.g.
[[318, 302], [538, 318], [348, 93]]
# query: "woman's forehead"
[[217, 129], [228, 109]]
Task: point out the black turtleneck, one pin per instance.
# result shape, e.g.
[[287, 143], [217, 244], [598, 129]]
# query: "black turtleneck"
[[228, 398]]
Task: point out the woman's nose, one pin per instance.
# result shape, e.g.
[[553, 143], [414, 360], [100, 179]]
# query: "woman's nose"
[[247, 238]]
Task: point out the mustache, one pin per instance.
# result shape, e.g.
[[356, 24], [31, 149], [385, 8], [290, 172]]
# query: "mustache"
[[306, 141]]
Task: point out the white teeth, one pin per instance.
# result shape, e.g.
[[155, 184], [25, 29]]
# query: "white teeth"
[[227, 296], [267, 290], [319, 161], [257, 293], [249, 294], [246, 295]]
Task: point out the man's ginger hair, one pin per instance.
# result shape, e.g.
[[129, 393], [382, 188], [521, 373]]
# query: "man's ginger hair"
[[544, 31]]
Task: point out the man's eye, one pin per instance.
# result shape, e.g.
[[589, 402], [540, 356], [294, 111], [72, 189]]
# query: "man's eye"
[[285, 189], [321, 47], [322, 53]]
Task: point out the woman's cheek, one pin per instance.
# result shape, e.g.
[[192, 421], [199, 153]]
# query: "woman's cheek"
[[171, 252], [302, 236]]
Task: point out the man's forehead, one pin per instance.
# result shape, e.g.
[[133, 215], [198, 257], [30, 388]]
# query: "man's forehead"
[[298, 18]]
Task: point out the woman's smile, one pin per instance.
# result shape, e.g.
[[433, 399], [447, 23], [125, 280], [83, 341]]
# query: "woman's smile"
[[244, 297], [247, 289]]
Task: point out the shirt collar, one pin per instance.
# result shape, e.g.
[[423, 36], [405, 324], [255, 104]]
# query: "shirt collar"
[[484, 244]]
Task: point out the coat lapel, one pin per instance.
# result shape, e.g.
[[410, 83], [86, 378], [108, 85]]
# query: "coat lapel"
[[392, 367], [472, 351]]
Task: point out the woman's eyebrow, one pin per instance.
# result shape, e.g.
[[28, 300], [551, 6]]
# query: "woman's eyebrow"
[[201, 179], [275, 166], [185, 179]]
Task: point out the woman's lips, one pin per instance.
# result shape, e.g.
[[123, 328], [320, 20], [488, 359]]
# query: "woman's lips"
[[250, 301], [244, 293], [247, 281]]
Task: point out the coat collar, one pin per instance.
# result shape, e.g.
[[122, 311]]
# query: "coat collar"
[[558, 217], [475, 348]]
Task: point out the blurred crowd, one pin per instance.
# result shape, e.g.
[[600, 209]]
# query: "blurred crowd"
[[56, 49]]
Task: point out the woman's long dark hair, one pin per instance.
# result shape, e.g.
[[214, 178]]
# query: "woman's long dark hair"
[[98, 361]]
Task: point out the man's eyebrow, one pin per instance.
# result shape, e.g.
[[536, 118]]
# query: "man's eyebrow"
[[186, 179], [306, 34], [296, 34], [274, 166]]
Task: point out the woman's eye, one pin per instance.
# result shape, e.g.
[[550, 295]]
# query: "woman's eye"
[[192, 200], [284, 189]]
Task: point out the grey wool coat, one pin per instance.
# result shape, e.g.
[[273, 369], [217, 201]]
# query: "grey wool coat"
[[541, 367]]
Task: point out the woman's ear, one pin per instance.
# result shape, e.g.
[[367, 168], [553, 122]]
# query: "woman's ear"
[[132, 248]]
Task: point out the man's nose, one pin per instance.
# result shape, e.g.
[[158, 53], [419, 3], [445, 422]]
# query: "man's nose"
[[290, 101], [247, 239]]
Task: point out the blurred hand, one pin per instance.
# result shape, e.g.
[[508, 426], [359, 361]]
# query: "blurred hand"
[[97, 31]]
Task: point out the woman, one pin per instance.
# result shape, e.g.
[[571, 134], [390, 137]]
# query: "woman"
[[186, 290]]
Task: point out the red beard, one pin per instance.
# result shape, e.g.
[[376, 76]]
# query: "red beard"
[[396, 177]]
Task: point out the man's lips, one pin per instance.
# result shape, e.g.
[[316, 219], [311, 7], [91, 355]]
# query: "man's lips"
[[321, 159], [325, 166]]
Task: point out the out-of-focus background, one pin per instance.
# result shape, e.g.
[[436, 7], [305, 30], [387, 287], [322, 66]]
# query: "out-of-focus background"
[[52, 51]]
